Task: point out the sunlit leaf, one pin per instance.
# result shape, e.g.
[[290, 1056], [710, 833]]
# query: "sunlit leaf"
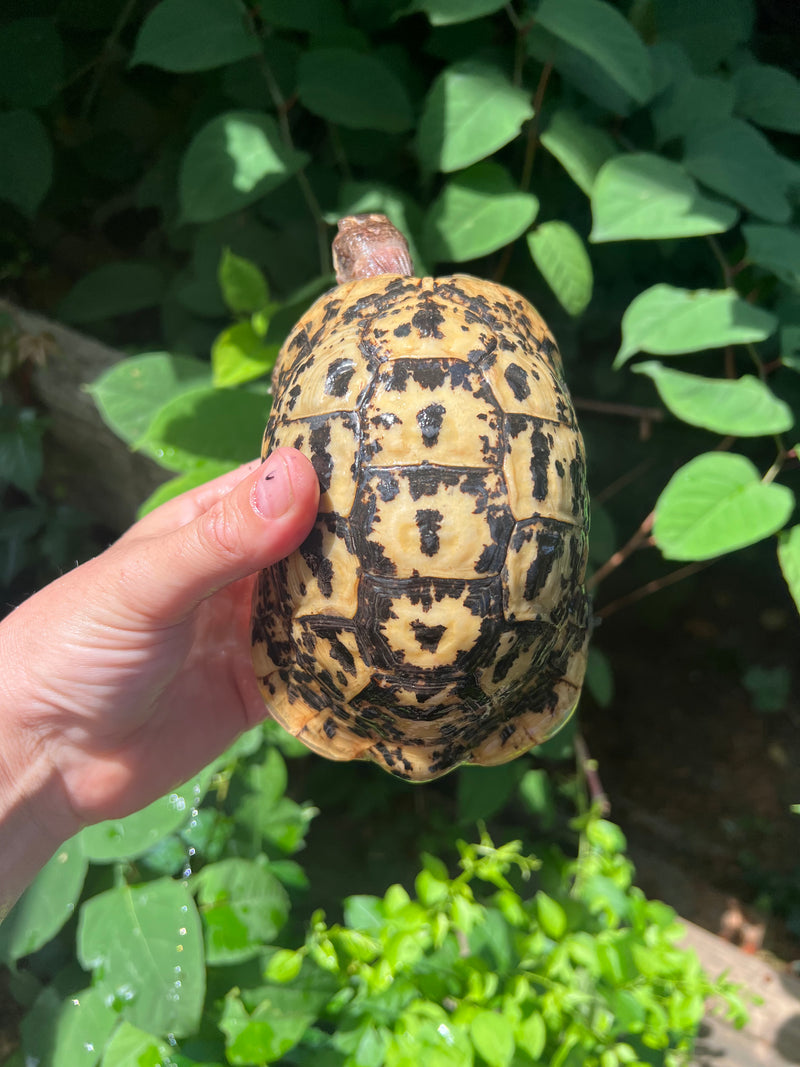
[[605, 35], [448, 12], [493, 1037], [789, 558], [477, 212], [471, 110], [742, 407], [131, 1046], [642, 196], [561, 256], [224, 425], [715, 504], [580, 147], [145, 945], [239, 355], [130, 392], [189, 35], [232, 161], [243, 906], [68, 1030], [666, 321]]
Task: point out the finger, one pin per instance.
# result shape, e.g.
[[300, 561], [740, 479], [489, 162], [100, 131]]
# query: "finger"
[[261, 520], [188, 505]]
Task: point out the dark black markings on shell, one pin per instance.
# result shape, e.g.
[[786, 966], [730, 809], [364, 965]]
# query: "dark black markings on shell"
[[436, 613]]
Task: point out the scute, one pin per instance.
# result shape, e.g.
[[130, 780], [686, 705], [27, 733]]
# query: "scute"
[[436, 613]]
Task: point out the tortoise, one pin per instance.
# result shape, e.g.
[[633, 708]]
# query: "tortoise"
[[436, 614]]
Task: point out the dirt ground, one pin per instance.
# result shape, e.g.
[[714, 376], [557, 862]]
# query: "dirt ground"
[[700, 779]]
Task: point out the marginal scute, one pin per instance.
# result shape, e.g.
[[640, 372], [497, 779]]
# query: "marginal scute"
[[436, 613]]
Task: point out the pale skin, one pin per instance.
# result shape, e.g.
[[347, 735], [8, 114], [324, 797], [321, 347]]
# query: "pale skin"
[[124, 677]]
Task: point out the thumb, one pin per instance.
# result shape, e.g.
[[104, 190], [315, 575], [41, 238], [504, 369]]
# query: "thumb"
[[261, 520]]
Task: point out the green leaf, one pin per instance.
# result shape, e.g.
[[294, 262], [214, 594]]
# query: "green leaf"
[[21, 433], [580, 147], [312, 15], [789, 559], [234, 160], [692, 101], [775, 248], [734, 159], [604, 34], [127, 838], [531, 1036], [189, 35], [471, 110], [600, 677], [223, 425], [72, 1030], [769, 687], [537, 793], [493, 1037], [715, 504], [46, 904], [642, 196], [667, 321], [561, 256], [551, 916], [133, 1047], [199, 475], [284, 965], [145, 945], [768, 96], [741, 407], [113, 289], [483, 791], [243, 906], [244, 287], [477, 212], [239, 355], [27, 155], [706, 29], [353, 89], [130, 392], [275, 1025], [448, 12], [31, 62]]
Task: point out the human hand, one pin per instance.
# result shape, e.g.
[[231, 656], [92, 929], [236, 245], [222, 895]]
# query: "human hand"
[[127, 675]]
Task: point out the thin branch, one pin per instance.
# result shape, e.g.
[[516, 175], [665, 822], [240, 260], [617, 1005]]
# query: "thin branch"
[[652, 587], [622, 482], [630, 411], [588, 768], [719, 255], [105, 56], [640, 538]]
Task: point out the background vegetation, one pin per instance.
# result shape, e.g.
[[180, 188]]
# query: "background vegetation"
[[171, 172]]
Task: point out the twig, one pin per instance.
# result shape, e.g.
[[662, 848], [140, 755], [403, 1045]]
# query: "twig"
[[641, 536], [591, 775], [629, 411], [622, 482], [105, 55], [652, 587]]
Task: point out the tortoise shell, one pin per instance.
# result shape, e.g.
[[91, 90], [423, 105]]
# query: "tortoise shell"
[[436, 614]]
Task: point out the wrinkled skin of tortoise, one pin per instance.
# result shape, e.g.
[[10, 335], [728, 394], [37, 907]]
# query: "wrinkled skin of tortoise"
[[436, 614]]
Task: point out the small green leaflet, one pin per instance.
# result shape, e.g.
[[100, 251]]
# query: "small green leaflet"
[[579, 147], [642, 196], [244, 287], [768, 96], [147, 940], [775, 248], [188, 35], [741, 407], [561, 256], [605, 35], [734, 159], [232, 161], [353, 89], [239, 355], [667, 321], [477, 212], [789, 559], [27, 155], [113, 289], [471, 110], [715, 504]]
